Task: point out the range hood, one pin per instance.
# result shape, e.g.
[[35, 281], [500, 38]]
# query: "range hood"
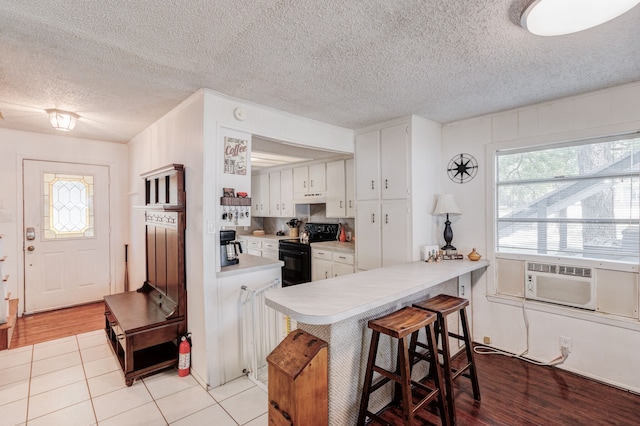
[[310, 198]]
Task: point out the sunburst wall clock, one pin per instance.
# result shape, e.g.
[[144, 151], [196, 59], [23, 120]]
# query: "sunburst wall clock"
[[462, 168]]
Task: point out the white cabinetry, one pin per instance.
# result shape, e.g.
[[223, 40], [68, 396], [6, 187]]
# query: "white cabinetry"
[[350, 192], [274, 194], [329, 263], [260, 195], [264, 195], [336, 195], [309, 179], [340, 189], [383, 219], [264, 247], [367, 158], [4, 305], [286, 193], [255, 195], [394, 162]]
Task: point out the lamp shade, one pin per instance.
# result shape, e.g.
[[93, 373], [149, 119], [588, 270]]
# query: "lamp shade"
[[446, 204], [62, 120], [558, 17]]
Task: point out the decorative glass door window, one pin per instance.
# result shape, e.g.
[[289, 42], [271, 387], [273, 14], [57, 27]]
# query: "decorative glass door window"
[[68, 206]]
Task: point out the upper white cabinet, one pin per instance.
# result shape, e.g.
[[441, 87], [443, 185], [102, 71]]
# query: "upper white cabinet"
[[367, 161], [394, 162], [255, 195], [274, 194], [336, 189], [382, 170], [340, 189], [263, 195], [286, 193], [350, 190], [309, 179]]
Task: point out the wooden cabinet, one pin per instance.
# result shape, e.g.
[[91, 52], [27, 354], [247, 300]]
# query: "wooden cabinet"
[[143, 326], [298, 381], [326, 263], [310, 179]]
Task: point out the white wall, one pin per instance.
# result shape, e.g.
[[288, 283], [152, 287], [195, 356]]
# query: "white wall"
[[603, 348], [16, 146], [175, 138], [189, 135]]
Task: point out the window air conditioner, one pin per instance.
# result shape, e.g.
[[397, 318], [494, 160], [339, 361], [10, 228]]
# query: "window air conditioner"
[[563, 285]]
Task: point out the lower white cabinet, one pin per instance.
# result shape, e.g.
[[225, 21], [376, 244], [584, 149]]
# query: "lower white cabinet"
[[263, 247], [329, 263], [383, 232]]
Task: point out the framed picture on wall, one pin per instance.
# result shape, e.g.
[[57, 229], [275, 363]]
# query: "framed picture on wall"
[[235, 156]]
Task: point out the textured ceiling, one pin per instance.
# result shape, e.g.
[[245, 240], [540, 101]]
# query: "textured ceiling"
[[122, 64]]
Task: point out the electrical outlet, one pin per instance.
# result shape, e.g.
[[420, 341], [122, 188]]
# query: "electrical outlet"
[[565, 343]]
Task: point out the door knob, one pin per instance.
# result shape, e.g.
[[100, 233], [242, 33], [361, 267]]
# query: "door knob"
[[31, 248]]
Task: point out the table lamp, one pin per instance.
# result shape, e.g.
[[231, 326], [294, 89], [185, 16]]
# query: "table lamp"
[[446, 205]]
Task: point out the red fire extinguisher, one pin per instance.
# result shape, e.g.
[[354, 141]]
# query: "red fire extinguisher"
[[184, 358]]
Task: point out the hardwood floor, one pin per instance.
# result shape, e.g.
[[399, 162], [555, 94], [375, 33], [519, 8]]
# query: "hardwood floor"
[[36, 328], [515, 392]]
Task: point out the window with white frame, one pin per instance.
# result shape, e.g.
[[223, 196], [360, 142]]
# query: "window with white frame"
[[574, 200]]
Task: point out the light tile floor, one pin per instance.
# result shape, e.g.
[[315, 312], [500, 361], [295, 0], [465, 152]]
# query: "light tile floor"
[[78, 381]]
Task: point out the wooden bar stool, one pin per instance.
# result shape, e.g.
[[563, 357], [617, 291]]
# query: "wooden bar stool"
[[400, 324], [444, 305]]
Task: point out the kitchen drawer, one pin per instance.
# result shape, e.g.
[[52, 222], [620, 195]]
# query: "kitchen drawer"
[[270, 245], [254, 244], [321, 254], [343, 258]]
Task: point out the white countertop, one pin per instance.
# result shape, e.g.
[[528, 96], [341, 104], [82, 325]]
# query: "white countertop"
[[266, 236], [335, 246], [249, 263], [339, 298]]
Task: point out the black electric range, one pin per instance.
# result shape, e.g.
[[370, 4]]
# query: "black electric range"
[[296, 255]]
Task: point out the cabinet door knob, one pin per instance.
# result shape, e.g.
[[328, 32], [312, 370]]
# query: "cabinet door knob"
[[373, 218], [386, 184], [386, 218], [372, 185], [340, 203]]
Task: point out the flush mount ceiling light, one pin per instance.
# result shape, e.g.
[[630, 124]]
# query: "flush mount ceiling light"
[[558, 17], [62, 120]]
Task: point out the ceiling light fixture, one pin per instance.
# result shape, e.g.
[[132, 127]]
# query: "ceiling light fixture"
[[62, 120], [558, 17]]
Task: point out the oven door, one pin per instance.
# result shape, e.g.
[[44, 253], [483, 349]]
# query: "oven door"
[[297, 265]]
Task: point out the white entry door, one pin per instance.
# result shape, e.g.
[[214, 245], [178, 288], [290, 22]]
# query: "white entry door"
[[66, 235]]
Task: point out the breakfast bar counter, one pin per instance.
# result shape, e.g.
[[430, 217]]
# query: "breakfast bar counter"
[[337, 311]]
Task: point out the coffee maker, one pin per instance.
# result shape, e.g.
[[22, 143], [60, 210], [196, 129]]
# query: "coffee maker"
[[229, 249]]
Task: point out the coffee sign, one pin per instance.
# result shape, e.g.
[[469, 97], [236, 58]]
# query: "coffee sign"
[[235, 156]]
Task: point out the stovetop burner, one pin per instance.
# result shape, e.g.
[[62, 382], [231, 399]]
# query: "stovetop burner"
[[318, 232]]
